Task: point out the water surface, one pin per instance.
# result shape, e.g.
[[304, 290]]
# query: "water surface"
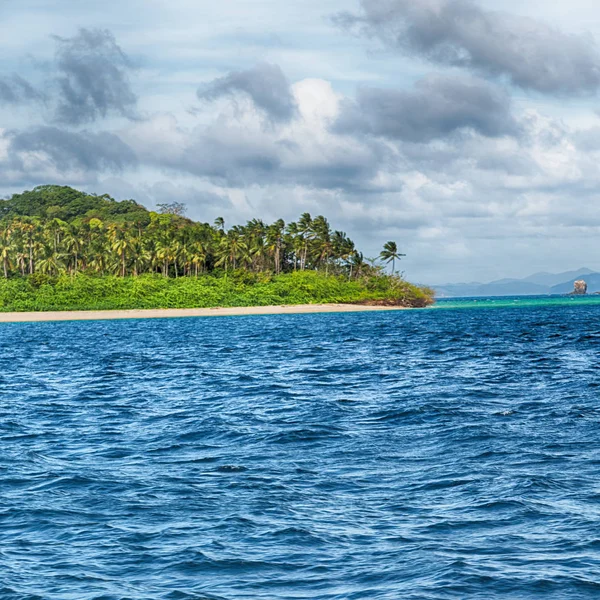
[[415, 455]]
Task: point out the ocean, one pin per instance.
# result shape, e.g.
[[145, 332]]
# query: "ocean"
[[444, 453]]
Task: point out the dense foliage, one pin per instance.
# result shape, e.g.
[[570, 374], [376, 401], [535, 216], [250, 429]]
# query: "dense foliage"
[[85, 292], [66, 204], [64, 249]]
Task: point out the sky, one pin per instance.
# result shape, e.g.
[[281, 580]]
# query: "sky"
[[468, 131]]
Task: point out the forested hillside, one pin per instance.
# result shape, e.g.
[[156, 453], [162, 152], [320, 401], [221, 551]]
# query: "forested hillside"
[[55, 232]]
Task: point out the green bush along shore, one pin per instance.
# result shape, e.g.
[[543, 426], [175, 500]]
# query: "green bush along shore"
[[110, 292]]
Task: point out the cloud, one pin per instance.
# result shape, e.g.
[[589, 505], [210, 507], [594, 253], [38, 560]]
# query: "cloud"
[[93, 78], [195, 199], [436, 108], [527, 52], [16, 90], [69, 151], [265, 84], [238, 154]]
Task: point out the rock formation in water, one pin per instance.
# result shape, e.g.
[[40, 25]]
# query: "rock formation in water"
[[580, 288]]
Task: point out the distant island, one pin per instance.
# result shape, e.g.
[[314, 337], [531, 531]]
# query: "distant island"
[[538, 284], [62, 249]]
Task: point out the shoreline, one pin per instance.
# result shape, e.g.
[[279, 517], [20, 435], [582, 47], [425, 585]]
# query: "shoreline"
[[169, 313]]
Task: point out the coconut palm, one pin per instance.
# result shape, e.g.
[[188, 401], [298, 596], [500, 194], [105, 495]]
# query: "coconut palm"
[[197, 257], [390, 254], [120, 243], [51, 262], [73, 242], [220, 224], [357, 264], [173, 245], [305, 233], [274, 243], [6, 249]]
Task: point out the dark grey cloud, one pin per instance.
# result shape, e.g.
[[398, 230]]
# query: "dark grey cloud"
[[266, 85], [16, 90], [436, 108], [528, 53], [266, 163], [93, 79], [69, 150]]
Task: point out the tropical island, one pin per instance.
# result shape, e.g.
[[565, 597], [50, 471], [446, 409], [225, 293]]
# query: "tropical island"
[[66, 250]]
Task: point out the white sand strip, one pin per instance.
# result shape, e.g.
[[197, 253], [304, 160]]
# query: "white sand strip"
[[98, 315]]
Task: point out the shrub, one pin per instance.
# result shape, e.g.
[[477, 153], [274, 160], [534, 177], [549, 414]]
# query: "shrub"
[[85, 292]]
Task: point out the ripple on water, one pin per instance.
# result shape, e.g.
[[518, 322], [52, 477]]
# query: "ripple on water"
[[416, 455]]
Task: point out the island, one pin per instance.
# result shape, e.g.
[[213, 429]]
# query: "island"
[[66, 250]]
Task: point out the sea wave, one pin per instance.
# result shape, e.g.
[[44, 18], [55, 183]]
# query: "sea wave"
[[416, 454]]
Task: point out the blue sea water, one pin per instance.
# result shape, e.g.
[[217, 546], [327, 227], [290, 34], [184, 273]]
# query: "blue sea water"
[[438, 454]]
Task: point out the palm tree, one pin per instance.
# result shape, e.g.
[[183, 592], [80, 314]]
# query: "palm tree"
[[197, 256], [51, 262], [323, 242], [163, 255], [53, 229], [6, 249], [74, 244], [220, 224], [305, 231], [173, 245], [120, 244], [357, 263], [274, 242], [294, 241], [390, 254], [31, 227], [343, 248]]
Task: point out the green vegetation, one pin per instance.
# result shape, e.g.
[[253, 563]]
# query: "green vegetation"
[[61, 249], [85, 292]]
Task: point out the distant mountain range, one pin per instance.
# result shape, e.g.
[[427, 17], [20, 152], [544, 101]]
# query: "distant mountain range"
[[537, 284]]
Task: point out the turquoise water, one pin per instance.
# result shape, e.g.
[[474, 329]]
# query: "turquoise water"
[[516, 301], [433, 454]]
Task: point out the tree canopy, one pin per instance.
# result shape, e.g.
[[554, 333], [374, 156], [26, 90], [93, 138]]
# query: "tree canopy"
[[68, 204], [57, 229]]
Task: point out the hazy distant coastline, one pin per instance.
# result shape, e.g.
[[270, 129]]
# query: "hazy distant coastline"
[[538, 284]]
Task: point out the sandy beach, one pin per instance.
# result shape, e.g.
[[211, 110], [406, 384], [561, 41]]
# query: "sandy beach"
[[102, 315]]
